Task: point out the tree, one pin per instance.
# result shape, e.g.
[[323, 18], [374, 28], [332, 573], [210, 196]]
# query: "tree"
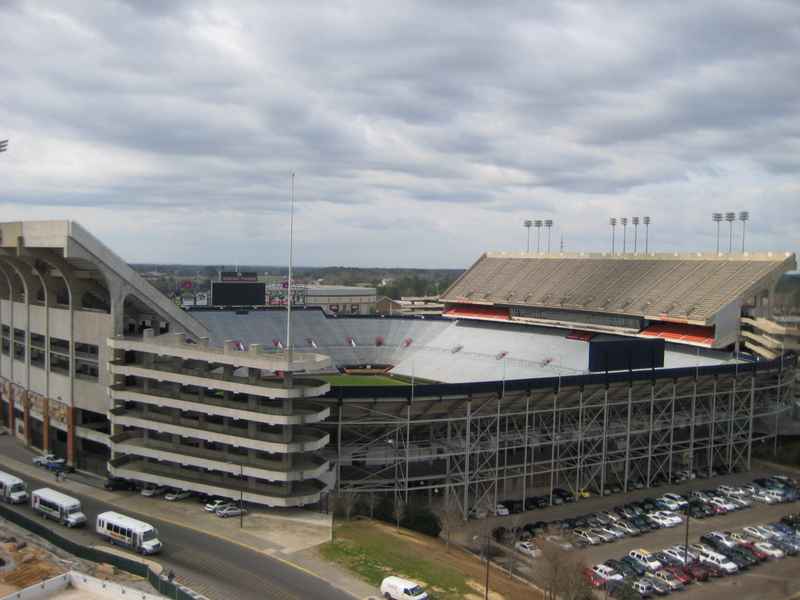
[[371, 500], [347, 501], [398, 510], [559, 571], [512, 555], [450, 515]]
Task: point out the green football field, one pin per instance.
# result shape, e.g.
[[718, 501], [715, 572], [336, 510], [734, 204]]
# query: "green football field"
[[344, 380]]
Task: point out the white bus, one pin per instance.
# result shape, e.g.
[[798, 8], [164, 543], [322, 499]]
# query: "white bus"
[[128, 532], [57, 506], [12, 489]]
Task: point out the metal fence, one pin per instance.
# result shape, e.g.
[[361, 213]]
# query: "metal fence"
[[96, 555]]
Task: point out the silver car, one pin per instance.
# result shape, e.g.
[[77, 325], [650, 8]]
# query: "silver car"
[[230, 511], [758, 532]]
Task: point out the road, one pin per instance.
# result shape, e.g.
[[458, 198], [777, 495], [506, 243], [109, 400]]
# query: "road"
[[217, 568]]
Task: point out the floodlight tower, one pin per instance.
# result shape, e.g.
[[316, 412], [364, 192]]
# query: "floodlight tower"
[[646, 222], [624, 222], [613, 222], [744, 216], [538, 225], [549, 224], [528, 225], [717, 218], [635, 221], [730, 218]]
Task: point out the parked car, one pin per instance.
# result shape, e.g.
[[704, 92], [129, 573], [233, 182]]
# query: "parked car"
[[676, 498], [667, 560], [604, 534], [659, 587], [661, 520], [625, 570], [230, 511], [722, 504], [693, 510], [668, 578], [592, 538], [60, 466], [607, 573], [218, 503], [514, 507], [174, 495], [763, 498], [770, 550], [697, 572], [757, 532], [678, 556], [641, 523], [499, 510], [739, 502], [528, 549], [582, 493], [535, 502], [153, 489], [751, 548], [41, 461], [628, 528], [476, 512], [639, 567], [564, 494], [679, 574], [114, 484], [752, 487], [594, 579]]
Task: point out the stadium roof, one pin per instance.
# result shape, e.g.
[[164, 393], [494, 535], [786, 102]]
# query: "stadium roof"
[[689, 287]]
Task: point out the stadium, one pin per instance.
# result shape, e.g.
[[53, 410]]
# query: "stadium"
[[544, 371]]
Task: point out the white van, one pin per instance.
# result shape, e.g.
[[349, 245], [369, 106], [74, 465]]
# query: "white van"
[[394, 588], [12, 489], [776, 495], [130, 533], [57, 506]]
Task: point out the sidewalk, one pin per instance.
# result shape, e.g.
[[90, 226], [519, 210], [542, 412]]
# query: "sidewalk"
[[280, 532]]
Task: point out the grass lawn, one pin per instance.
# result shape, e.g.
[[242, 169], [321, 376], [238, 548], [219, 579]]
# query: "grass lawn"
[[371, 551], [360, 380]]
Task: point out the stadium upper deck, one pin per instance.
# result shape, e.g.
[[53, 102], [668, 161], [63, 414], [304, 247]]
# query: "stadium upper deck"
[[621, 293]]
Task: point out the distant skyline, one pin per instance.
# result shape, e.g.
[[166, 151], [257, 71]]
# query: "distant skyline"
[[422, 134]]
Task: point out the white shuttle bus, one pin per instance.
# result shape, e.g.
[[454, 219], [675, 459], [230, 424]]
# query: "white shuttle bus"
[[57, 506], [12, 489], [128, 532]]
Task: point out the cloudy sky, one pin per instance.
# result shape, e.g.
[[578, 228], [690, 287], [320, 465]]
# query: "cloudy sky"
[[421, 134]]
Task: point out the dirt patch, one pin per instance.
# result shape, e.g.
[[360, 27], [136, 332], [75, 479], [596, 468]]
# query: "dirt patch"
[[434, 550], [25, 565]]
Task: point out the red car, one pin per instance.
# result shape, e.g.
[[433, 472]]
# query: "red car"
[[696, 572], [717, 509], [748, 547], [595, 579], [679, 574]]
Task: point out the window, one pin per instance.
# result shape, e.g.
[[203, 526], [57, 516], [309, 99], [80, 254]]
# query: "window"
[[38, 341], [37, 358], [60, 346], [86, 350]]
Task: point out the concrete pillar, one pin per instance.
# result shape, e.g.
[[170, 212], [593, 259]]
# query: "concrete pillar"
[[26, 418], [46, 424], [72, 451]]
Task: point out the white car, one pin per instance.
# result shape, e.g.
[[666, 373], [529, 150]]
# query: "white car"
[[558, 541], [677, 499], [608, 534], [178, 495], [741, 538], [40, 461], [476, 512], [678, 555], [670, 516], [758, 532], [607, 573], [528, 549], [722, 503], [694, 554], [763, 498], [739, 502], [215, 504], [499, 510], [662, 521], [152, 489], [769, 549]]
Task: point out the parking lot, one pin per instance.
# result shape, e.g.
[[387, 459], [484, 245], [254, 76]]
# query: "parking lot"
[[772, 579]]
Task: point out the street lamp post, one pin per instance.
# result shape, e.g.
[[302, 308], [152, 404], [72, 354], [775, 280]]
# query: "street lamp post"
[[549, 224], [528, 225], [717, 218], [646, 222], [241, 492], [613, 222], [624, 222], [686, 547], [730, 218], [635, 221], [538, 225], [488, 548], [744, 216]]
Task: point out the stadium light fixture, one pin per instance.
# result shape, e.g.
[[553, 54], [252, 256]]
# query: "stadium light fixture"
[[3, 145], [528, 225], [624, 222], [538, 225], [717, 218], [613, 222], [549, 224], [635, 221], [730, 218], [744, 216], [646, 221]]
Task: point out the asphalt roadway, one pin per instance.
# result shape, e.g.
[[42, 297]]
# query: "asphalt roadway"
[[772, 580], [213, 557]]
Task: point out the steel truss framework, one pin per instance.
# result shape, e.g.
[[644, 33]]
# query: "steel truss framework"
[[510, 441]]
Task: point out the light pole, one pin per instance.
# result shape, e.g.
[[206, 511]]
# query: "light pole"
[[624, 222], [646, 222], [744, 216], [613, 222], [717, 218], [686, 547], [548, 223], [538, 225], [488, 548], [635, 221], [241, 491], [528, 225], [730, 218]]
